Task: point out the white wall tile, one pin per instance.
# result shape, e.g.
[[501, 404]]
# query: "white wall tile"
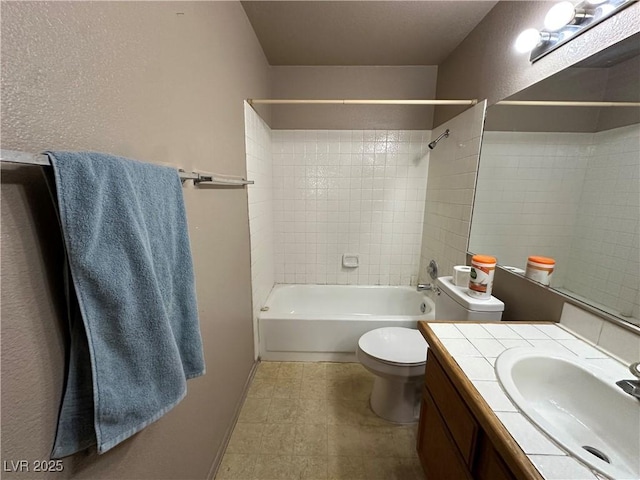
[[450, 192], [349, 192], [585, 324], [620, 342], [604, 259]]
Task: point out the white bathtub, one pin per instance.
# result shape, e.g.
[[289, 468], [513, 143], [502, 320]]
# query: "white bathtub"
[[324, 322]]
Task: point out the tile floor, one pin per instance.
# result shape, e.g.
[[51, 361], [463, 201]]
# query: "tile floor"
[[313, 421]]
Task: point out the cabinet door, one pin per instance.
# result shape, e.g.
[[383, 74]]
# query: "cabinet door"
[[460, 422], [438, 454], [489, 465]]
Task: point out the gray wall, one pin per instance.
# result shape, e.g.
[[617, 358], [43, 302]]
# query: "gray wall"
[[622, 86], [569, 85], [617, 83], [161, 82], [311, 82], [485, 65]]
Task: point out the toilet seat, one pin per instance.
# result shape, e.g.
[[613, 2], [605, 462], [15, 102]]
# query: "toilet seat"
[[396, 346]]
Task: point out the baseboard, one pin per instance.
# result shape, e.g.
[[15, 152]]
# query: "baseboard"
[[213, 471]]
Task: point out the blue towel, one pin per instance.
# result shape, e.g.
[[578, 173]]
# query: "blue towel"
[[134, 332]]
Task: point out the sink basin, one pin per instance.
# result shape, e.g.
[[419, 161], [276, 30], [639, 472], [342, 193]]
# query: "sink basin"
[[578, 405]]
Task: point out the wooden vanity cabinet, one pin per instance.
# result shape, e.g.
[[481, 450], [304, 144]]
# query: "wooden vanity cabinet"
[[451, 442]]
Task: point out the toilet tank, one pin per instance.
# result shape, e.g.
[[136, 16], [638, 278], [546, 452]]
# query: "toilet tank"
[[453, 303]]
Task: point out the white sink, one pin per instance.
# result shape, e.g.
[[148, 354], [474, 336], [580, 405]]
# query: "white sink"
[[578, 405]]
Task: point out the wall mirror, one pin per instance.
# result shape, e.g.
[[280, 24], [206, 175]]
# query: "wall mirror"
[[563, 182]]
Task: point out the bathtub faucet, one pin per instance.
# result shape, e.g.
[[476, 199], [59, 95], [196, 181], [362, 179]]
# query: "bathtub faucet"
[[428, 286]]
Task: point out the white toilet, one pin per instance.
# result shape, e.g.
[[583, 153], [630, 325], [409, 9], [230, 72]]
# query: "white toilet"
[[397, 355]]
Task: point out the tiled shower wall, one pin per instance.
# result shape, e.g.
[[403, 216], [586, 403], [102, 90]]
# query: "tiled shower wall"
[[528, 195], [604, 259], [452, 178], [348, 191], [260, 199]]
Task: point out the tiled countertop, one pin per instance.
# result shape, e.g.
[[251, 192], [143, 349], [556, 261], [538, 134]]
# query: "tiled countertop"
[[475, 347]]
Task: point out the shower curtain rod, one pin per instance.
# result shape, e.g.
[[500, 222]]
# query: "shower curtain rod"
[[274, 101], [552, 103]]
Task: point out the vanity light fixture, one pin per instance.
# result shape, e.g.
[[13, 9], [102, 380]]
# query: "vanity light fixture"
[[563, 14], [531, 37], [564, 21]]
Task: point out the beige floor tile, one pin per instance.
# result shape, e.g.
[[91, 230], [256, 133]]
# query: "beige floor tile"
[[384, 468], [311, 467], [237, 467], [389, 468], [377, 441], [345, 368], [287, 387], [278, 439], [267, 370], [312, 411], [313, 421], [313, 388], [367, 417], [314, 371], [338, 372], [403, 443], [311, 440], [283, 410], [246, 438], [261, 388], [344, 440], [340, 389], [254, 410], [341, 411], [352, 412], [337, 377], [291, 370], [361, 387], [275, 467], [411, 468], [346, 468], [350, 386]]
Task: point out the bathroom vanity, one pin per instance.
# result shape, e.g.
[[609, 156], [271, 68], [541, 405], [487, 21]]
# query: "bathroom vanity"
[[469, 428]]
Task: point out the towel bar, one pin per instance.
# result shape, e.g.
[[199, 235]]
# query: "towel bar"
[[12, 156]]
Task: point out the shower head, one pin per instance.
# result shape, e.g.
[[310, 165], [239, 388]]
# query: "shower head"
[[433, 144]]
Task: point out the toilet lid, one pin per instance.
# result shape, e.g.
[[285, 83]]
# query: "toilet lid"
[[395, 345]]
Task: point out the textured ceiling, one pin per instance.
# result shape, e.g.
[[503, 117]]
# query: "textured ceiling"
[[362, 32]]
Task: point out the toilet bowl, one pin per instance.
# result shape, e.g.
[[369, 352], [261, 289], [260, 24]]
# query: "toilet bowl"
[[397, 357]]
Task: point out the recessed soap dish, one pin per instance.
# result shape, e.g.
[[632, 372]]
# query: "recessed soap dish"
[[350, 260]]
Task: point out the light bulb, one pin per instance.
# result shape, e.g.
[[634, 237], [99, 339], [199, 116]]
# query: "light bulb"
[[559, 15], [528, 39]]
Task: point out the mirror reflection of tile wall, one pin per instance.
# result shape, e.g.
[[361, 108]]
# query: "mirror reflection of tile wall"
[[571, 196]]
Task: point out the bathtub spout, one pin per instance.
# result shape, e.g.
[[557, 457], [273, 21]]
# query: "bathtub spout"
[[428, 286]]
